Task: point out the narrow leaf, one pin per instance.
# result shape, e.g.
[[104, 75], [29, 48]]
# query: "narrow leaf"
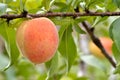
[[116, 52], [78, 29], [14, 52], [53, 66], [10, 43], [115, 32], [117, 2], [117, 70], [67, 47], [46, 4], [3, 33]]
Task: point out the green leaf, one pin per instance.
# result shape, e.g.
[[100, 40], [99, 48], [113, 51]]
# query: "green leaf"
[[61, 32], [3, 8], [46, 4], [117, 70], [14, 5], [64, 25], [26, 69], [98, 20], [67, 46], [93, 3], [111, 31], [117, 2], [8, 34], [78, 29], [63, 7], [60, 4], [42, 77], [36, 4], [22, 3], [62, 21], [115, 33], [81, 19], [52, 2], [110, 6], [75, 3], [14, 52], [53, 66], [116, 52], [3, 33], [77, 26]]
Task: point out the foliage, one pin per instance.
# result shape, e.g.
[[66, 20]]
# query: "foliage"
[[66, 64]]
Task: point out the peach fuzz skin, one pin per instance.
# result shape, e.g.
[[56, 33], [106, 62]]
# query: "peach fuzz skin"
[[107, 44], [37, 39]]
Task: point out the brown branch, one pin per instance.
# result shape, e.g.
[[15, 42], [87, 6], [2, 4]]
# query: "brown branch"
[[98, 43], [14, 16]]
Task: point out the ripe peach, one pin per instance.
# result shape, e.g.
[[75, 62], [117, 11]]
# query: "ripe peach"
[[107, 44], [37, 39]]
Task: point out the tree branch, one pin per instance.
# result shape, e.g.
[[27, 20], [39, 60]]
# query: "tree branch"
[[98, 43], [14, 16]]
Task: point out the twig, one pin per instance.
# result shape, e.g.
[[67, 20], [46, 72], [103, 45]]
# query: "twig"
[[98, 43], [76, 14]]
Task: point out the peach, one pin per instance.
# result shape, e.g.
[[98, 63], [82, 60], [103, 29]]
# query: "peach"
[[107, 44], [37, 39]]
